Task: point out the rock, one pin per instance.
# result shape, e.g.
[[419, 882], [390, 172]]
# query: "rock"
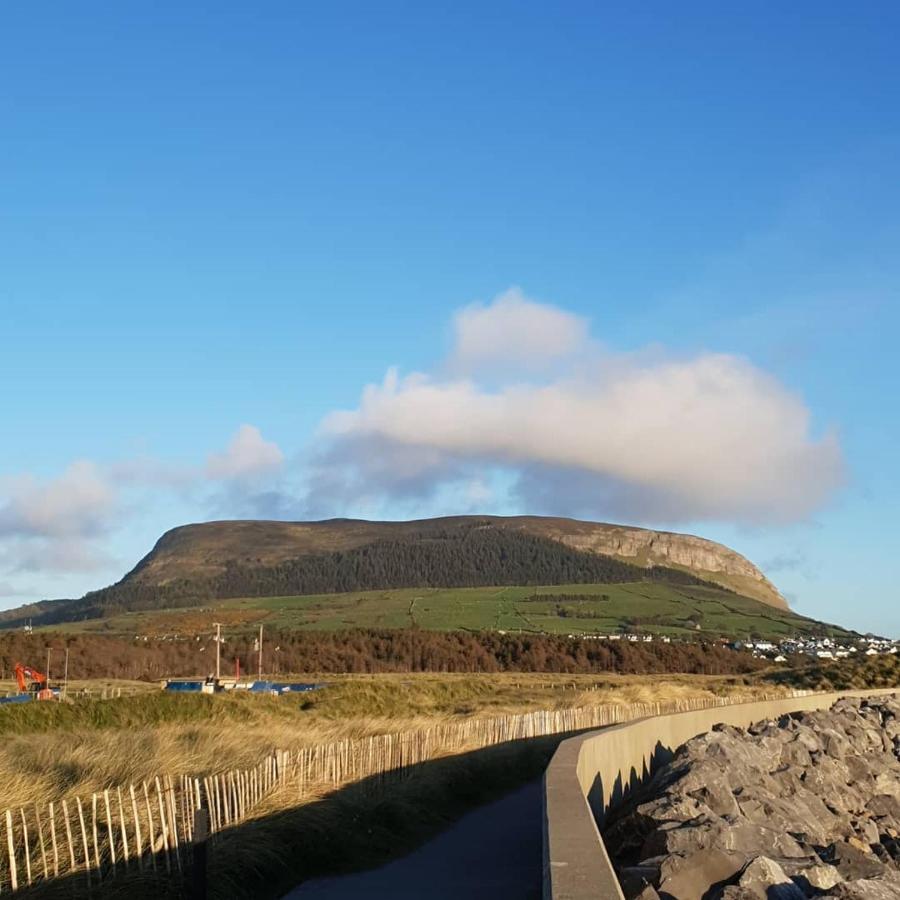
[[806, 806], [738, 836], [764, 879], [836, 745], [886, 888], [692, 875], [868, 831], [795, 754], [854, 841], [885, 806], [852, 861], [818, 878], [720, 564], [648, 893]]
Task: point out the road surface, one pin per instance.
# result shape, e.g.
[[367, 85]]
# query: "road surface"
[[491, 853]]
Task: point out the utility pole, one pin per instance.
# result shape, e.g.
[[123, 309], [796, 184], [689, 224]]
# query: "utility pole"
[[66, 676], [260, 651], [218, 647], [48, 667]]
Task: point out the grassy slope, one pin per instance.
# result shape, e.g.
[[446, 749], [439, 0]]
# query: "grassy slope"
[[655, 608]]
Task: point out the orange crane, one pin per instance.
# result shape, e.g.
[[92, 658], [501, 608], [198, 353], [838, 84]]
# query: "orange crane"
[[38, 682]]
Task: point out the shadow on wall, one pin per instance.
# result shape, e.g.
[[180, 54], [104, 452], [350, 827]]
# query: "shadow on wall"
[[358, 826], [621, 791]]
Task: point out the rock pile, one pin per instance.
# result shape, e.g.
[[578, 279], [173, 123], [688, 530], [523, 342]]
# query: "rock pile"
[[808, 806]]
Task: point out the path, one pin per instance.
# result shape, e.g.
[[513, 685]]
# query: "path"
[[491, 853]]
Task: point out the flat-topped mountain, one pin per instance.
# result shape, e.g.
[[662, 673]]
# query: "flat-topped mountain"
[[195, 564], [206, 550]]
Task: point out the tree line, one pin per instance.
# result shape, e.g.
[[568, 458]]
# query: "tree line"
[[364, 651]]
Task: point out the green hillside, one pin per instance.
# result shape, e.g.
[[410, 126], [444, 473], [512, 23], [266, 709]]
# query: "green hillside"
[[464, 554], [518, 574], [654, 608]]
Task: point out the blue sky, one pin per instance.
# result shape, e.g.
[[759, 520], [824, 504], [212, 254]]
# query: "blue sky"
[[220, 222]]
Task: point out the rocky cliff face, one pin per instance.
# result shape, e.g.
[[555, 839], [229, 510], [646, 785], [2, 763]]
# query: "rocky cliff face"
[[710, 560], [808, 806]]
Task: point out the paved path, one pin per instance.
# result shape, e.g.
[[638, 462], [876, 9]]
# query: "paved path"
[[491, 853]]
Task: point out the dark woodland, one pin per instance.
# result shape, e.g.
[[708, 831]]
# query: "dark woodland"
[[361, 651]]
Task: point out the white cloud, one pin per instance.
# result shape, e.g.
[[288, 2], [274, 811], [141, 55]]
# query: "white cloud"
[[58, 555], [54, 525], [59, 525], [247, 455], [514, 330], [711, 437], [76, 504]]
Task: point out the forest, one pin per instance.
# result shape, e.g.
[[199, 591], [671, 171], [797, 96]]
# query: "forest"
[[364, 651]]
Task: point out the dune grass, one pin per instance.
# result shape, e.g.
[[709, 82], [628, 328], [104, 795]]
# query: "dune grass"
[[52, 750], [881, 671], [355, 827]]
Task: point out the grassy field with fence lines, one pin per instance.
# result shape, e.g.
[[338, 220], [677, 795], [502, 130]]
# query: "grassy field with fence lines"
[[553, 609]]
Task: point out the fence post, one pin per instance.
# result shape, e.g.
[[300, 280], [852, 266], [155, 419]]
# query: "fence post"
[[198, 870], [10, 841], [27, 848]]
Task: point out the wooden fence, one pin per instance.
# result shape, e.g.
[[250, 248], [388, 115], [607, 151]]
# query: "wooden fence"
[[148, 826]]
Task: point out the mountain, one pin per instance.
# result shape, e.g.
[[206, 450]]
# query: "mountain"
[[206, 550], [195, 564]]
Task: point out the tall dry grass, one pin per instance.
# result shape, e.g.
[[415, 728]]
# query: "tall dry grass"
[[49, 752]]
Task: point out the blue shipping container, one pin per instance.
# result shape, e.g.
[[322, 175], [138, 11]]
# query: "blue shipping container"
[[281, 687], [184, 686]]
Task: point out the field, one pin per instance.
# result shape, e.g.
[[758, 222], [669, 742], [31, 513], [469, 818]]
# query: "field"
[[50, 750], [54, 751], [577, 609], [57, 752]]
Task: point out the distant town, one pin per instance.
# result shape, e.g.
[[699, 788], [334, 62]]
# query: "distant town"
[[825, 648], [819, 648], [777, 651]]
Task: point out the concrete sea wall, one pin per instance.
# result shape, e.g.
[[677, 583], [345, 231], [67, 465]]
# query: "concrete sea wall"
[[594, 772]]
